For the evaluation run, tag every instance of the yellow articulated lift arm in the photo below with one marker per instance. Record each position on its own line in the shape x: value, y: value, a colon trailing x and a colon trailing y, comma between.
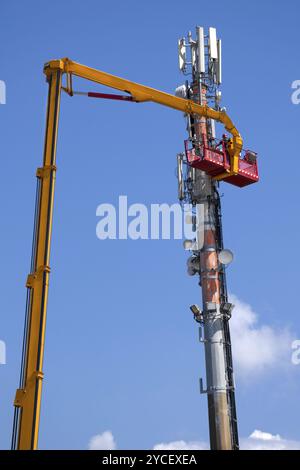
x: 28, y: 396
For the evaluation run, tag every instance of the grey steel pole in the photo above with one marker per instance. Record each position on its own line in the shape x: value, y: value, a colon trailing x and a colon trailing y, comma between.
x: 205, y: 192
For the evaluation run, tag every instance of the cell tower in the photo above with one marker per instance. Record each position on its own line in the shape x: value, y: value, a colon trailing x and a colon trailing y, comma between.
x: 201, y: 59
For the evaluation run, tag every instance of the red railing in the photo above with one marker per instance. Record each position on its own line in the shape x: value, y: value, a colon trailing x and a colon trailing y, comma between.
x: 214, y: 160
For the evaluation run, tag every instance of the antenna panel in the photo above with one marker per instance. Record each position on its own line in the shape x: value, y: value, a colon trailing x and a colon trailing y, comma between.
x: 213, y: 47
x: 201, y: 49
x: 182, y: 54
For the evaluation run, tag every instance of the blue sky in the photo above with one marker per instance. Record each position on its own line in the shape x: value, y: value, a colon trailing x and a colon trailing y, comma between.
x: 121, y: 347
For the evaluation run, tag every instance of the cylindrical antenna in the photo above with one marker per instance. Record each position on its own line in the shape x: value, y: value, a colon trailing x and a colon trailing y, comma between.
x: 180, y: 177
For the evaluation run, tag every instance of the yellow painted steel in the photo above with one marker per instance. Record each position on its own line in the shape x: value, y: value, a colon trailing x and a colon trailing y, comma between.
x: 143, y: 93
x: 28, y: 396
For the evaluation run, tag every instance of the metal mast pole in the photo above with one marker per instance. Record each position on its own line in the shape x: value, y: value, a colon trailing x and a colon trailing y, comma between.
x: 28, y: 396
x: 203, y: 190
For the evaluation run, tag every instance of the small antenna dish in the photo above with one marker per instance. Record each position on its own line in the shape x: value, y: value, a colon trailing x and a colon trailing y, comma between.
x: 188, y: 245
x: 193, y: 265
x: 225, y: 257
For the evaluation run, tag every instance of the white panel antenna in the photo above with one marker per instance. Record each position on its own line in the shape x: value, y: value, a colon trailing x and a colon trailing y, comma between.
x: 201, y: 49
x: 213, y: 47
x: 213, y: 128
x: 180, y: 177
x: 194, y: 55
x: 219, y: 69
x: 182, y: 54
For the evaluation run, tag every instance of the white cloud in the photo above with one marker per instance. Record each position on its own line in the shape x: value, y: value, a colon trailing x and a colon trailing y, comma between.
x: 258, y: 440
x: 104, y: 441
x: 181, y: 445
x: 264, y: 436
x: 256, y: 347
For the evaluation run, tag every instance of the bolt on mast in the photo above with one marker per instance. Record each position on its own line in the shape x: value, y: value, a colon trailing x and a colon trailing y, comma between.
x: 201, y: 58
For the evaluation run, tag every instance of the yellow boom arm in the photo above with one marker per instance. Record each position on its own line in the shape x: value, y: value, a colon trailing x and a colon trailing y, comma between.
x: 142, y: 93
x: 28, y: 396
